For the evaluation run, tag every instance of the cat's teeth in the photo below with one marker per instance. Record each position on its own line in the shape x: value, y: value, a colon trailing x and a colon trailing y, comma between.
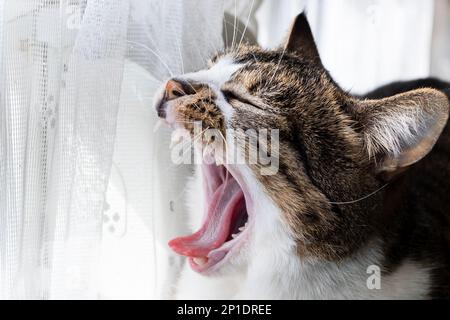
x: 241, y: 228
x: 176, y: 138
x: 219, y: 161
x: 158, y: 125
x: 208, y: 156
x: 201, y: 261
x: 234, y: 235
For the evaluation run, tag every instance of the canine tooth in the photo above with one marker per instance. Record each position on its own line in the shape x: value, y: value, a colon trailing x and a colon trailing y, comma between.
x: 176, y: 137
x: 206, y: 151
x: 234, y: 235
x: 219, y: 160
x: 158, y: 125
x: 201, y: 261
x: 207, y: 156
x: 241, y: 229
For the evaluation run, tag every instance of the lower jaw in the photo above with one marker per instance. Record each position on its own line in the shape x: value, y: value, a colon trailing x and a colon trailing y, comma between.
x: 220, y: 257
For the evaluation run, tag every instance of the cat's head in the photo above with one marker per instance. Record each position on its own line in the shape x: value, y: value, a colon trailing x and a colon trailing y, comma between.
x: 329, y: 152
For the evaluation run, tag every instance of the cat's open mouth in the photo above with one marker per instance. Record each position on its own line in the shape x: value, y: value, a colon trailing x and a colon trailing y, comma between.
x: 225, y: 224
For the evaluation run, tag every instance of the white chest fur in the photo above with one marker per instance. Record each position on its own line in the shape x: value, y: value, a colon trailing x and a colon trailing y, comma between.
x: 271, y: 268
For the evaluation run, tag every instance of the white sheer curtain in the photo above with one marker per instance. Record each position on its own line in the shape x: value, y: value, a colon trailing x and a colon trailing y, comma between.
x: 440, y: 45
x: 145, y: 204
x: 366, y: 43
x: 88, y: 195
x: 61, y: 69
x: 71, y: 72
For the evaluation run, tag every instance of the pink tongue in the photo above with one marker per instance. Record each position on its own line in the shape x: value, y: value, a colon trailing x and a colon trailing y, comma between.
x: 216, y: 228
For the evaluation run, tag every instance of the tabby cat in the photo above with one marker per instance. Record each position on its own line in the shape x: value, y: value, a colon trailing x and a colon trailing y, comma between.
x: 358, y: 207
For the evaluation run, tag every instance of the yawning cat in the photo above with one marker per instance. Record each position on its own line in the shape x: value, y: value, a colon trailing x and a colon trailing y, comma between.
x: 357, y: 206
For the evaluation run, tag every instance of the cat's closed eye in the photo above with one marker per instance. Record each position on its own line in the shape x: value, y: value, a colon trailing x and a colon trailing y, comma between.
x: 229, y: 95
x: 233, y: 96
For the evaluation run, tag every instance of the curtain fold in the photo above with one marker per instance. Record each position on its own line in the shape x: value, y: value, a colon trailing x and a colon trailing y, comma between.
x: 440, y: 45
x: 61, y: 69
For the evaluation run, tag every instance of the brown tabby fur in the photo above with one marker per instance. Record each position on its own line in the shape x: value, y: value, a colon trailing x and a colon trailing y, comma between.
x: 326, y: 171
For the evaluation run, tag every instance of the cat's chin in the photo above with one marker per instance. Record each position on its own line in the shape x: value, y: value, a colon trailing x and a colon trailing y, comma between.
x: 227, y: 222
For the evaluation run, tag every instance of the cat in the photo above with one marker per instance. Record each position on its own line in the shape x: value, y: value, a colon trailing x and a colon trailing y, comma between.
x: 358, y: 207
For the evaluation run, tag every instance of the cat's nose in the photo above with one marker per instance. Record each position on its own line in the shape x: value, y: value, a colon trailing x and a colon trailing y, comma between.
x: 176, y: 88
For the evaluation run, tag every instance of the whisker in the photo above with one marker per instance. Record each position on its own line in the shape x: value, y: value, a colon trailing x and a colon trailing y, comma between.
x: 146, y: 75
x: 181, y: 55
x: 226, y: 31
x: 181, y: 121
x: 154, y: 53
x: 234, y: 25
x: 198, y: 107
x: 189, y: 143
x: 192, y: 87
x: 238, y: 33
x: 200, y: 54
x: 208, y: 24
x: 246, y: 24
x: 194, y: 139
x: 254, y: 57
x: 225, y: 143
x: 361, y: 199
x: 277, y: 67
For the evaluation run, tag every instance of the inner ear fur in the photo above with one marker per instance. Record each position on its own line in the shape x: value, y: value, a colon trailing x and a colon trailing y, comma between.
x: 400, y: 130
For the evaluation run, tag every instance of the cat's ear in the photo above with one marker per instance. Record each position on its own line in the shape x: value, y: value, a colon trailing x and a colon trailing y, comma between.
x: 301, y: 40
x: 400, y: 130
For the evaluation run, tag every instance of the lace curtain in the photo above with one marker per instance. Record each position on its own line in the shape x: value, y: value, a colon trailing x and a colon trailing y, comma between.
x: 88, y: 195
x: 61, y: 70
x: 77, y: 196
